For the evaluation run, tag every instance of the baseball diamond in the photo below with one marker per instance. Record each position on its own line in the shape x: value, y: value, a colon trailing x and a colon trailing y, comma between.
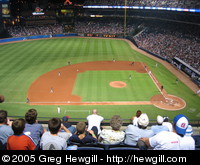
x: 90, y: 84
x: 39, y: 94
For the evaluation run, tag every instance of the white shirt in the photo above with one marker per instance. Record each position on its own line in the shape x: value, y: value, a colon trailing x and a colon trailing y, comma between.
x: 187, y: 143
x: 112, y: 137
x: 94, y: 120
x: 165, y: 141
x: 169, y: 126
x: 135, y: 121
x: 58, y: 109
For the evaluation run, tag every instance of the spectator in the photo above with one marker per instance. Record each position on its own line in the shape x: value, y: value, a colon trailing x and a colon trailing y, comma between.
x: 20, y: 141
x: 187, y: 142
x: 149, y: 3
x: 5, y: 127
x: 159, y: 127
x: 32, y: 128
x: 170, y: 41
x: 54, y: 140
x: 113, y: 136
x: 94, y: 120
x: 167, y: 123
x: 23, y: 31
x: 134, y: 119
x: 82, y: 136
x: 134, y: 133
x: 71, y: 128
x: 169, y: 140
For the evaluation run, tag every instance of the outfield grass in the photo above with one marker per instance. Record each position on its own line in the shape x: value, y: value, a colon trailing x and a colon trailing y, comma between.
x: 22, y: 63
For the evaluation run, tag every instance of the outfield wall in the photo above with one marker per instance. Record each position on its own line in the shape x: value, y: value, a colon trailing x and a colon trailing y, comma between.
x: 37, y: 37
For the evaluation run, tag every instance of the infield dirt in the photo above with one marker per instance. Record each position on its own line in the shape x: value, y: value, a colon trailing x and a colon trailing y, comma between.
x: 55, y: 87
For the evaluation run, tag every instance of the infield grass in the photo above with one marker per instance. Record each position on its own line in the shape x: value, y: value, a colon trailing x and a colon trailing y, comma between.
x: 22, y: 63
x: 94, y: 86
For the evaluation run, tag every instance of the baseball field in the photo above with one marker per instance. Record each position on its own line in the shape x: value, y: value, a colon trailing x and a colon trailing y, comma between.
x: 79, y: 74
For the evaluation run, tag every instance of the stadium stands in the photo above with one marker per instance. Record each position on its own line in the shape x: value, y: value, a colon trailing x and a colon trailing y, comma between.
x: 149, y: 3
x: 167, y: 39
x: 172, y: 41
x: 22, y: 31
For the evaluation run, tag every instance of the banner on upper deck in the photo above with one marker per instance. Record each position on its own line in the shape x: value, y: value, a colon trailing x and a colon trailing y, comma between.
x: 4, y: 9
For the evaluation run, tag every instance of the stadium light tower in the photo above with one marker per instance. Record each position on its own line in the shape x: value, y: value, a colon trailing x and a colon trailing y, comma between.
x: 125, y: 8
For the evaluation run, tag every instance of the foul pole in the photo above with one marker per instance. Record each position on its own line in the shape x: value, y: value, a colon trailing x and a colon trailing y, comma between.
x: 125, y: 8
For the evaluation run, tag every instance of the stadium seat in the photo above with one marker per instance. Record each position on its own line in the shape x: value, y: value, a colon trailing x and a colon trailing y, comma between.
x: 197, y: 140
x: 81, y: 145
x: 108, y: 146
x: 124, y: 148
x: 90, y: 148
x: 2, y: 146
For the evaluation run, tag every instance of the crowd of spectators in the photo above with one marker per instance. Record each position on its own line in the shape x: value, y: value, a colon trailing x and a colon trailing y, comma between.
x: 99, y: 27
x: 170, y: 43
x: 149, y: 3
x: 104, y: 26
x: 30, y: 135
x: 165, y: 39
x: 22, y: 31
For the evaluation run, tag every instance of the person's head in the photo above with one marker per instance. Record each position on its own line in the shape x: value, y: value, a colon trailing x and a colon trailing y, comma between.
x: 81, y: 127
x: 94, y: 111
x: 189, y: 131
x: 65, y: 119
x: 165, y: 119
x: 3, y: 117
x: 31, y: 116
x: 116, y: 122
x: 54, y: 125
x: 143, y: 121
x: 138, y: 113
x: 18, y: 126
x: 159, y: 120
x: 180, y: 124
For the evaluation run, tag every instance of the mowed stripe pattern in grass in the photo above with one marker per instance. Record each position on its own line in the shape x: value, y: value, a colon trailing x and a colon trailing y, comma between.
x: 22, y: 63
x: 94, y: 86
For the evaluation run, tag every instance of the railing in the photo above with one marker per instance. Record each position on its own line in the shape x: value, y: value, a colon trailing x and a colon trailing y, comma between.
x: 106, y: 122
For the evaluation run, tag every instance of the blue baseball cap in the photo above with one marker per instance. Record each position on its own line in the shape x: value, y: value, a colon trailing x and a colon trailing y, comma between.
x: 181, y: 124
x: 189, y: 131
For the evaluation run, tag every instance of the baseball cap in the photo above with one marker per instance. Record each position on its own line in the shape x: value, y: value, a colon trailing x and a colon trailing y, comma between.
x: 143, y: 120
x: 189, y: 131
x: 160, y: 119
x: 181, y: 124
x: 65, y: 118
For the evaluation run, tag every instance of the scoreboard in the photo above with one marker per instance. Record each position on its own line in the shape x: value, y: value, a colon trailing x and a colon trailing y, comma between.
x: 4, y: 8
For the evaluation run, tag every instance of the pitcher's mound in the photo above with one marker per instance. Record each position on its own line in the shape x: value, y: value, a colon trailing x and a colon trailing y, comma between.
x: 117, y: 84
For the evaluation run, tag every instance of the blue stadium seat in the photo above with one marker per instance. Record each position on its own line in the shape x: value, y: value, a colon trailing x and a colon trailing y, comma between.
x: 197, y: 140
x: 108, y: 146
x: 89, y: 148
x: 124, y: 148
x: 2, y: 146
